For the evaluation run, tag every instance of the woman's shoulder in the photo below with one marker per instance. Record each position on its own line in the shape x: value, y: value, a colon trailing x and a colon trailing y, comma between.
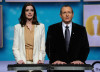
x: 41, y: 24
x: 18, y: 25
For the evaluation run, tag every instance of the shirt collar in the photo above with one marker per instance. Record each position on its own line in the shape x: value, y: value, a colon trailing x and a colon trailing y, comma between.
x: 69, y: 25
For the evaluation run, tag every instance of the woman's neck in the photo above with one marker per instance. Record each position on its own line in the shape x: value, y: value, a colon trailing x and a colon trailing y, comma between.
x: 28, y: 21
x: 29, y: 24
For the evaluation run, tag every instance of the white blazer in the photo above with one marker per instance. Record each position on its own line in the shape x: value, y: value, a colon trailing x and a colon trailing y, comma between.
x: 39, y: 43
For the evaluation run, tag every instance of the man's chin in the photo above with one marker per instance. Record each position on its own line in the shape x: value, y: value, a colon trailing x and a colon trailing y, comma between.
x: 67, y: 22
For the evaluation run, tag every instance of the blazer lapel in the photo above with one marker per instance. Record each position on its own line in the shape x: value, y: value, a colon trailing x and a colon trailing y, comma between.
x: 23, y: 40
x: 35, y: 38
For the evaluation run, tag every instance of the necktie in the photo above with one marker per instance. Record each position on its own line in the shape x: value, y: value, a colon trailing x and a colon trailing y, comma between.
x: 67, y: 37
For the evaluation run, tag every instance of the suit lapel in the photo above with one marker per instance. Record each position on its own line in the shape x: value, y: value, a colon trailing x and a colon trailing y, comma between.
x: 70, y: 49
x: 73, y: 31
x: 60, y: 30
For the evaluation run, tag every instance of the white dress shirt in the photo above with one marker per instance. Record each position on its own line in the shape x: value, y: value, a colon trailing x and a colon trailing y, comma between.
x: 64, y: 28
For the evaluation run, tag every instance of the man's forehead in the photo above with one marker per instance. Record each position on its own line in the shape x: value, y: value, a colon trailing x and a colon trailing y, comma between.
x: 66, y: 8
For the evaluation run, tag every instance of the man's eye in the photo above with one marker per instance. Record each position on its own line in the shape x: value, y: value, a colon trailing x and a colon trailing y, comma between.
x: 69, y: 12
x: 64, y: 12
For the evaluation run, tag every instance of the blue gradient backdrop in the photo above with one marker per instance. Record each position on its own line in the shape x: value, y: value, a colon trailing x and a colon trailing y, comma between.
x: 48, y: 14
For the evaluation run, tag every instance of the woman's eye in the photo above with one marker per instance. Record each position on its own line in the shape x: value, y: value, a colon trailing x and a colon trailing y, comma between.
x: 32, y: 10
x: 26, y: 10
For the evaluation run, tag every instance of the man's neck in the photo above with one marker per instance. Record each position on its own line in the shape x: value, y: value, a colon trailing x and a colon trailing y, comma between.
x: 67, y: 23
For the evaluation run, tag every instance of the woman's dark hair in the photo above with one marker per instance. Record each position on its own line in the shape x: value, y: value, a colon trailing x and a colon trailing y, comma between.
x: 23, y: 18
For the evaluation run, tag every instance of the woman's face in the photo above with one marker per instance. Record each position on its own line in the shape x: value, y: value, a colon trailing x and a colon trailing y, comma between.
x: 29, y: 12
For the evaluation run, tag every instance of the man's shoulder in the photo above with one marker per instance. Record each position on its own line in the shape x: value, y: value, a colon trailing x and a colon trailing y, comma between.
x: 55, y: 25
x: 78, y: 26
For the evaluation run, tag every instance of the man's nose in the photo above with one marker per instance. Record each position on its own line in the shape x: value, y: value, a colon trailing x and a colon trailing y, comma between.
x: 67, y: 14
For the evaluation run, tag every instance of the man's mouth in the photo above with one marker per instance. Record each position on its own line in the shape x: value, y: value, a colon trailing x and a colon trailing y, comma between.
x: 67, y: 18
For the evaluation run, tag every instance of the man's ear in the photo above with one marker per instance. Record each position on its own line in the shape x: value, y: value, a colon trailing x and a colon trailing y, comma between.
x: 73, y: 14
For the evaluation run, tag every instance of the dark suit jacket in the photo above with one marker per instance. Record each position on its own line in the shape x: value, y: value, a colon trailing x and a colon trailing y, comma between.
x: 55, y: 44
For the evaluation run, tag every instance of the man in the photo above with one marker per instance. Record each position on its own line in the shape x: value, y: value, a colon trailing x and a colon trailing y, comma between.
x: 67, y: 45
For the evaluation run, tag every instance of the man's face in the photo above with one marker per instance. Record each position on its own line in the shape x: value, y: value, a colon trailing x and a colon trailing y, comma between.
x: 66, y: 15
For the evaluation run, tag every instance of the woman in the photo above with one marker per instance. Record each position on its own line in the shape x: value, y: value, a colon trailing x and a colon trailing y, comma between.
x: 29, y: 38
